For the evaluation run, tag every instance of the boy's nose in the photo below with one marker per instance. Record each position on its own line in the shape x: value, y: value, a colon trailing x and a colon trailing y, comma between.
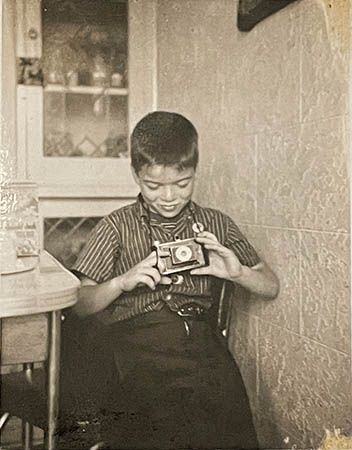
x: 168, y: 194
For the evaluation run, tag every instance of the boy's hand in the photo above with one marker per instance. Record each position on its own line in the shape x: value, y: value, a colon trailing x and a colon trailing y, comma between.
x: 143, y: 273
x: 223, y: 263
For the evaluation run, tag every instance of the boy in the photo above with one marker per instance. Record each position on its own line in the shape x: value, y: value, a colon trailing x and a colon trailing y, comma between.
x: 166, y: 380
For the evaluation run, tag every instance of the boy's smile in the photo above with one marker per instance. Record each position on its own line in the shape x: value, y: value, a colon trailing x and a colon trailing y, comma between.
x: 166, y: 190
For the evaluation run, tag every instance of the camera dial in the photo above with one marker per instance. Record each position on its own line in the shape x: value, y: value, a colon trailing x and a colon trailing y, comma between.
x: 198, y: 227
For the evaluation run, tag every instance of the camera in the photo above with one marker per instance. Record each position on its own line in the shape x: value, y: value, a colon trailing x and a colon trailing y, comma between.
x: 180, y: 255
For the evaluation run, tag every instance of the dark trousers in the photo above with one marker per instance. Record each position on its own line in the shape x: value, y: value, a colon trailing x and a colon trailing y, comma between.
x: 146, y: 383
x: 175, y: 389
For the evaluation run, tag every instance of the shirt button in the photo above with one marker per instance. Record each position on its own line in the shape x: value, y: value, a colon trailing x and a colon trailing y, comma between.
x: 168, y: 297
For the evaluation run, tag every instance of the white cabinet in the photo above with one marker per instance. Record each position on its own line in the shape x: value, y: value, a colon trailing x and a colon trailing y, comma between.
x: 80, y: 96
x: 70, y: 112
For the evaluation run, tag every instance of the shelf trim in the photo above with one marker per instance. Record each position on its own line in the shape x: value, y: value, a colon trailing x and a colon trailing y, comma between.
x: 88, y: 90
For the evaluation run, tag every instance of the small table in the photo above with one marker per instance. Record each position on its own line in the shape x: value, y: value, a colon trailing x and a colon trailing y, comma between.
x: 30, y: 310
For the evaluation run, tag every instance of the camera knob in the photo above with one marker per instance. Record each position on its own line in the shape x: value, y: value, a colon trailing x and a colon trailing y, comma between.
x: 198, y: 227
x: 177, y: 279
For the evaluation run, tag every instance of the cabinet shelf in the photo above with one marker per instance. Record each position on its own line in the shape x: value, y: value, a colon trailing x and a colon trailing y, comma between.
x: 88, y: 90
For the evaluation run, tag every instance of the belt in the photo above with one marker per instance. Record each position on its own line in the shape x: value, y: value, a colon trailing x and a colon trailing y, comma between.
x: 188, y: 312
x: 191, y: 310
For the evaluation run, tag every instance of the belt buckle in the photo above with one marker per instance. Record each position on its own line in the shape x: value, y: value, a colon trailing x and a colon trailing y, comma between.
x: 190, y: 310
x: 180, y: 312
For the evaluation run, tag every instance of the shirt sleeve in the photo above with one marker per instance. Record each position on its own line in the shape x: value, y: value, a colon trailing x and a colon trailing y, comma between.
x: 96, y: 260
x: 238, y: 243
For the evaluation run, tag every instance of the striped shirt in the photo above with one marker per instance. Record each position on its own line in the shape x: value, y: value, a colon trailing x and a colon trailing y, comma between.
x: 124, y: 238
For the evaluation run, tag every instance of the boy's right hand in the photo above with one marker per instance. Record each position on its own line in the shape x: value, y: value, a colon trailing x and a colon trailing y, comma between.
x: 143, y: 273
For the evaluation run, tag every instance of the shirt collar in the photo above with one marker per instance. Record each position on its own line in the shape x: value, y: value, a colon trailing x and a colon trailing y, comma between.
x: 142, y: 210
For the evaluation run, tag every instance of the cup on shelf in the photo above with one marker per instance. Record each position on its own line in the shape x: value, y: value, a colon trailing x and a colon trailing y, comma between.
x: 99, y: 79
x: 72, y: 78
x: 116, y: 80
x: 99, y: 72
x: 54, y: 77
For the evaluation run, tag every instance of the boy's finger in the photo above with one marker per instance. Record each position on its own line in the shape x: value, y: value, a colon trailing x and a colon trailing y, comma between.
x: 150, y: 260
x: 206, y: 240
x: 148, y: 281
x: 203, y: 240
x: 151, y: 256
x: 207, y: 234
x: 165, y: 280
x: 153, y: 273
x: 216, y: 248
x: 161, y: 266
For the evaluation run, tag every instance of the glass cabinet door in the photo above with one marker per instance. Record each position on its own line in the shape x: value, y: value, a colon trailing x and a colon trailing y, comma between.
x: 85, y: 78
x: 87, y: 72
x: 74, y: 97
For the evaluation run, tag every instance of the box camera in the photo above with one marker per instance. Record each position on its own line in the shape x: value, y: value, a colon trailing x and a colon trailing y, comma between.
x: 181, y: 255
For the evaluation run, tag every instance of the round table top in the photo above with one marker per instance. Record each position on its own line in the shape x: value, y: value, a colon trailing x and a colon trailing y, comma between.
x: 46, y: 287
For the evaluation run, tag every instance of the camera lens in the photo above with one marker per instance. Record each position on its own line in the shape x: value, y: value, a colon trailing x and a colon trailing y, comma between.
x: 183, y: 253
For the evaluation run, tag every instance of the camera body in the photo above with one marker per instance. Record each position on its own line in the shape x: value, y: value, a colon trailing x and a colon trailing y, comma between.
x: 181, y: 255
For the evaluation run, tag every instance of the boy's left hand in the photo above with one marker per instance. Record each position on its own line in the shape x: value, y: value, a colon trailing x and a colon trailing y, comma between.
x: 223, y: 263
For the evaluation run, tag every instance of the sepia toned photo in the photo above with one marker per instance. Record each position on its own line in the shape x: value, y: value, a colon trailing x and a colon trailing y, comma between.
x: 175, y: 225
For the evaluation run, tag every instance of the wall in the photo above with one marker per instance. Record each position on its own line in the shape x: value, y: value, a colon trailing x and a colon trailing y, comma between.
x: 272, y: 110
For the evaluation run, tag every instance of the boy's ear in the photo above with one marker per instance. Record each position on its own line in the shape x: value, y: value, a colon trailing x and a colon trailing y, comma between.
x: 135, y: 176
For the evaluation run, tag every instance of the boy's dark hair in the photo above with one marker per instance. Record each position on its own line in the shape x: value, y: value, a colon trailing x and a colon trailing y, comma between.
x: 166, y: 139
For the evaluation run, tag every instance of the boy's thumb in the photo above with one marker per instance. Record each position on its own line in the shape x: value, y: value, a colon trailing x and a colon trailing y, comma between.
x: 165, y: 280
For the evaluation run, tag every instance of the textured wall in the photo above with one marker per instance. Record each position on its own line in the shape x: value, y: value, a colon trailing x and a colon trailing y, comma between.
x: 271, y: 107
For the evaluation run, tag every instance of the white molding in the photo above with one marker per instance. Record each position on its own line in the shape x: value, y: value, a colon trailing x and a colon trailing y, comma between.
x: 28, y: 17
x: 8, y: 81
x: 1, y: 63
x: 87, y: 191
x: 22, y: 164
x: 348, y: 143
x: 88, y: 207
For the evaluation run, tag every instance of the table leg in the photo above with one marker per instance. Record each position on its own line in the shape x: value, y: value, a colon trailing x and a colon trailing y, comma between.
x: 27, y: 428
x: 53, y: 377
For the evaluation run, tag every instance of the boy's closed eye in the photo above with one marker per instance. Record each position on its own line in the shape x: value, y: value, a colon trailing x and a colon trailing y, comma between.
x: 154, y: 186
x: 183, y: 184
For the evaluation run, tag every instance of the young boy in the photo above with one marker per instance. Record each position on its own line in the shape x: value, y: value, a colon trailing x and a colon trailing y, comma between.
x: 166, y: 380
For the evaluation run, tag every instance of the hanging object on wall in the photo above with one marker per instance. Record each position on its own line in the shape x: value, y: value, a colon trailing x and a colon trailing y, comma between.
x: 250, y: 12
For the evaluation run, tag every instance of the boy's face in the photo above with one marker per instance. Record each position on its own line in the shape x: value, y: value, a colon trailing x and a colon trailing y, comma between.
x: 166, y: 190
